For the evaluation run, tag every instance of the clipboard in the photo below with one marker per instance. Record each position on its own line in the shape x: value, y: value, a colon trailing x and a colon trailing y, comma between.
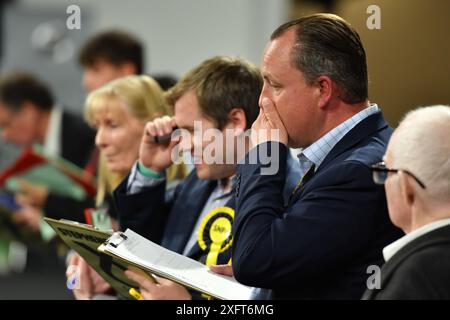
x: 135, y: 250
x: 85, y: 240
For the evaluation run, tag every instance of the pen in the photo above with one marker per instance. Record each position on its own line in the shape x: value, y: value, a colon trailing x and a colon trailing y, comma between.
x: 135, y: 294
x: 162, y: 139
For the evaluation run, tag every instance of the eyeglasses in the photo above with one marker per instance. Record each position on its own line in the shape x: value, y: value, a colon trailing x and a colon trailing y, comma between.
x: 380, y: 174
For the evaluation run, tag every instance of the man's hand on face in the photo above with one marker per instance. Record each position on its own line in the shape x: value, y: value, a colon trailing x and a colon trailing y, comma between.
x: 268, y: 126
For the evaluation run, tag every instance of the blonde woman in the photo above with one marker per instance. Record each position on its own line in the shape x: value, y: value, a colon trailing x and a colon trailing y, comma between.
x: 119, y: 112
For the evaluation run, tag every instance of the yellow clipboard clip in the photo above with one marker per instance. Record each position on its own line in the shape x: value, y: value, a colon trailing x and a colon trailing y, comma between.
x: 135, y: 294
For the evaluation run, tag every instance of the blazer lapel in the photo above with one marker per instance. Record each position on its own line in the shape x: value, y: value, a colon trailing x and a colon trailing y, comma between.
x: 189, y: 205
x: 361, y: 131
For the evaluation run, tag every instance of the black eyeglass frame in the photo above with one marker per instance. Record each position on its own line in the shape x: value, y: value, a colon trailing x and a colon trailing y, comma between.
x: 381, y: 167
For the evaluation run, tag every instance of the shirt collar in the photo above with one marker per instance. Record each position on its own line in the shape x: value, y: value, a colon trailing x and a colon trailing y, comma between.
x: 52, y: 142
x: 390, y: 250
x: 220, y: 192
x: 317, y: 151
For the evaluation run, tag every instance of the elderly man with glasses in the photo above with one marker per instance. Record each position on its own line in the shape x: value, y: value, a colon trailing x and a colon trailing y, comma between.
x: 416, y: 175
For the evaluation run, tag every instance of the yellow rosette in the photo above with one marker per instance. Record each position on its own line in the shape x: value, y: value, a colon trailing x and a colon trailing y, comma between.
x: 214, y: 234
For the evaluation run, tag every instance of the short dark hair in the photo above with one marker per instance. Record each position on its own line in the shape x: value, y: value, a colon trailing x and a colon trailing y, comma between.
x: 17, y: 88
x: 116, y: 47
x: 221, y: 84
x: 328, y: 45
x: 165, y: 81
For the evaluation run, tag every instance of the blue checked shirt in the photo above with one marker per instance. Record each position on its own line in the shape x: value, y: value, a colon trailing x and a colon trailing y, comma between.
x: 317, y: 152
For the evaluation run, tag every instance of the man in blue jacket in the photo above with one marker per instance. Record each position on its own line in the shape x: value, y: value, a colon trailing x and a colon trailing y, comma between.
x: 319, y: 245
x: 217, y: 98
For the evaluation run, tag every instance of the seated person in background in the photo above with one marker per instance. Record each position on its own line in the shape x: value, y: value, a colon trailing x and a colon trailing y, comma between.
x: 105, y: 57
x: 119, y: 112
x: 416, y: 175
x: 114, y: 54
x: 315, y: 95
x: 28, y: 116
x: 108, y: 56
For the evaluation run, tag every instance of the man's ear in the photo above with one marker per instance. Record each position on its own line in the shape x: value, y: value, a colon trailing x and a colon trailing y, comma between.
x: 407, y: 190
x: 128, y: 68
x: 237, y: 120
x: 326, y: 88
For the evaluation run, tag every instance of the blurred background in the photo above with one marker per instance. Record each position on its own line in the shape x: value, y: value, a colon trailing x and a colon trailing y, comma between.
x: 408, y: 60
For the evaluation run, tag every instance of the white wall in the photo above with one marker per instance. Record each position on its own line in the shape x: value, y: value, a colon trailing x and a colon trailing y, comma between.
x: 181, y: 33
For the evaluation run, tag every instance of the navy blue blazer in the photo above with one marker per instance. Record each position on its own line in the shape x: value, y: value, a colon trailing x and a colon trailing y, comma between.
x: 320, y: 245
x: 171, y: 222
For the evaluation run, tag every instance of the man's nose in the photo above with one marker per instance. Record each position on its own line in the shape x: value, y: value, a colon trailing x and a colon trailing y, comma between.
x: 264, y: 94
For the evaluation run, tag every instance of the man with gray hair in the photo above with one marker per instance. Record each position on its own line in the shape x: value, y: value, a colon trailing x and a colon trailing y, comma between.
x: 416, y: 174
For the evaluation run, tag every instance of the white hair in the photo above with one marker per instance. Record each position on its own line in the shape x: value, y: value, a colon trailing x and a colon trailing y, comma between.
x: 422, y: 146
